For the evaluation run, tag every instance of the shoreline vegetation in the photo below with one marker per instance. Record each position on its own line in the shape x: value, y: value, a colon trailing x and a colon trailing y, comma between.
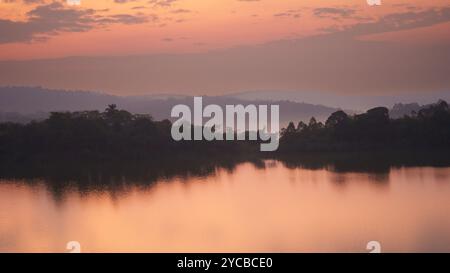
x: 96, y: 146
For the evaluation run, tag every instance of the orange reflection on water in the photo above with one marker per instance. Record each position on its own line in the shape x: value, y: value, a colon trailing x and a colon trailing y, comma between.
x: 271, y: 209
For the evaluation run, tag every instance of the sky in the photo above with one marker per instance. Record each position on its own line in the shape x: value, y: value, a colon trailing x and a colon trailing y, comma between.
x: 223, y: 46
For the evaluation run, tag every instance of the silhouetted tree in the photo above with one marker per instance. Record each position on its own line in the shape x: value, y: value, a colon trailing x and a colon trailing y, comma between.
x: 301, y: 126
x: 336, y: 119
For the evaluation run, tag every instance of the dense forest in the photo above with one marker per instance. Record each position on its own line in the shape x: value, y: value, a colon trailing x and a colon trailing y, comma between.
x: 110, y: 135
x: 119, y: 135
x: 427, y: 129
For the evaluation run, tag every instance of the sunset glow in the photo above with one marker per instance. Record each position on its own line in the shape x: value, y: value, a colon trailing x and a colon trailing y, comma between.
x: 106, y: 27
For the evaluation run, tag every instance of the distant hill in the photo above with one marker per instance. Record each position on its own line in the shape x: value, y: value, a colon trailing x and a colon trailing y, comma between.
x: 22, y: 118
x: 408, y: 109
x: 360, y: 103
x: 28, y: 103
x: 400, y: 110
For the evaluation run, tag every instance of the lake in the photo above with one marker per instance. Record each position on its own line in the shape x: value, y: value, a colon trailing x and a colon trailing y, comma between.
x: 266, y: 207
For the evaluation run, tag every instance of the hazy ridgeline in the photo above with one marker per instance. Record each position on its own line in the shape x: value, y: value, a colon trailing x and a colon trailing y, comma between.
x: 24, y: 104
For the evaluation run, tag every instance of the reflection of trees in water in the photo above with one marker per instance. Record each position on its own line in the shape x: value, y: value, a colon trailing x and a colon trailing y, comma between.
x: 115, y: 150
x: 118, y: 177
x: 376, y: 164
x: 369, y: 162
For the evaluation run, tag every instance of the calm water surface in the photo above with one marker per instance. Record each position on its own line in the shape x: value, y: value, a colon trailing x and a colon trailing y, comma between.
x: 269, y: 208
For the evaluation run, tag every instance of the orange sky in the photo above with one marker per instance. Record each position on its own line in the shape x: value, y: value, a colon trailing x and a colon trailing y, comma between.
x: 197, y: 25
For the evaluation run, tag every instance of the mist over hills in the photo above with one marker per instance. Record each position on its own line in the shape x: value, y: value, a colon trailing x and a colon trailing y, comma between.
x: 358, y: 103
x: 23, y: 104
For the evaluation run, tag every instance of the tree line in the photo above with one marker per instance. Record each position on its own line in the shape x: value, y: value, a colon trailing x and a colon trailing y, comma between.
x: 116, y: 134
x: 374, y: 130
x: 108, y: 135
